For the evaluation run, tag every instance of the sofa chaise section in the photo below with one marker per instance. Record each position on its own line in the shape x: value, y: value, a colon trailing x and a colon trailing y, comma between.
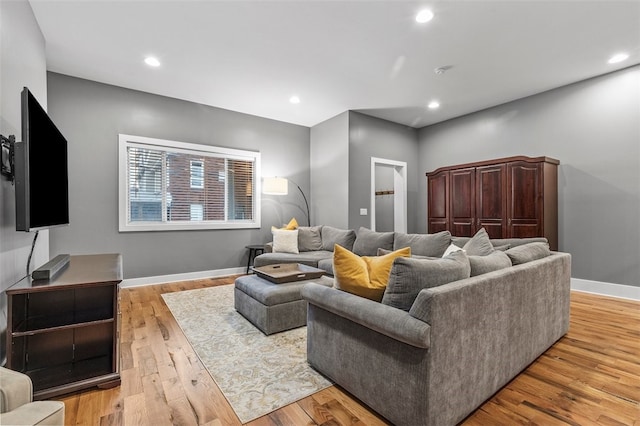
x: 310, y: 258
x: 459, y: 343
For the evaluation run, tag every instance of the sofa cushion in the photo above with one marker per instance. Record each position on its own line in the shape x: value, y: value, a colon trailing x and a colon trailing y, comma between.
x: 332, y: 236
x: 528, y: 252
x: 514, y: 242
x: 309, y: 238
x: 382, y: 252
x: 479, y: 244
x: 492, y: 262
x: 433, y: 245
x: 409, y: 276
x: 326, y: 265
x: 364, y: 276
x: 501, y: 243
x: 368, y: 242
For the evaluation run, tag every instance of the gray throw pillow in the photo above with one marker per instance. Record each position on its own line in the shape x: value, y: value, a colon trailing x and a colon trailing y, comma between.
x: 460, y: 241
x: 433, y: 245
x: 309, y: 238
x: 528, y: 252
x: 491, y: 262
x: 332, y: 236
x: 410, y: 275
x: 479, y: 244
x: 368, y: 242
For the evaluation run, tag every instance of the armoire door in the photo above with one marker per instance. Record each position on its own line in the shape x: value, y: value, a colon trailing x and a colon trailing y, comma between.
x: 438, y: 202
x: 524, y: 199
x: 491, y: 207
x: 463, y: 202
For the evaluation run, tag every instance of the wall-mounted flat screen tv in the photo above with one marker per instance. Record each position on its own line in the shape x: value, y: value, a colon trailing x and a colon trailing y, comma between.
x: 41, y: 170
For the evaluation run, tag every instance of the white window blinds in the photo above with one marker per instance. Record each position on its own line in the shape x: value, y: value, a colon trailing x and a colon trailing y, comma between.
x: 174, y: 185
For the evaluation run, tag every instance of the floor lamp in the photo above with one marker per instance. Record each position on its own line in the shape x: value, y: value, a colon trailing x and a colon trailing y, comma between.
x: 280, y: 186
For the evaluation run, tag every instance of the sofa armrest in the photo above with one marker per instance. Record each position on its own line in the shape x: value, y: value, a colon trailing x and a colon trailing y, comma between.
x: 391, y: 322
x: 15, y: 389
x: 35, y: 413
x: 268, y: 247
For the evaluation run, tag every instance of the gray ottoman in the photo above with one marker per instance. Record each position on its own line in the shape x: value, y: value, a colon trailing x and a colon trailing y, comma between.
x: 273, y: 307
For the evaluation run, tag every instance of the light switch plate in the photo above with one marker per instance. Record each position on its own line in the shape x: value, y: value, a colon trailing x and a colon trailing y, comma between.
x: 363, y: 212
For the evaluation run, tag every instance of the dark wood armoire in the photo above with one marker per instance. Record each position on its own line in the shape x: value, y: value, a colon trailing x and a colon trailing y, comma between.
x: 514, y: 197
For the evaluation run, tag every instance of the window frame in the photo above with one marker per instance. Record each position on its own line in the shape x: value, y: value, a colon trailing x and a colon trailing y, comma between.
x: 125, y: 141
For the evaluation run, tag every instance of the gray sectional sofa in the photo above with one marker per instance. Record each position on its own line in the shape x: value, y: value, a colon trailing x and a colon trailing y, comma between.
x: 449, y: 332
x: 315, y: 245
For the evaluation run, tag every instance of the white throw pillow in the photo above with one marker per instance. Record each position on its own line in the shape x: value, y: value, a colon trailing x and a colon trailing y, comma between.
x: 285, y: 241
x: 451, y: 249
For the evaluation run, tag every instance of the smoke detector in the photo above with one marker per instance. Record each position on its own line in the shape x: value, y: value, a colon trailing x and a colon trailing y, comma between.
x: 442, y: 70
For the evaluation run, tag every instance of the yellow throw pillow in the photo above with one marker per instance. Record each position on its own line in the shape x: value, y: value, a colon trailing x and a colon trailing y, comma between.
x: 364, y: 276
x: 293, y: 224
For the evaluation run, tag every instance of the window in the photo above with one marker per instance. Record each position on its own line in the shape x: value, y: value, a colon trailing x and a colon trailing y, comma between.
x: 168, y: 185
x: 197, y: 212
x: 197, y: 174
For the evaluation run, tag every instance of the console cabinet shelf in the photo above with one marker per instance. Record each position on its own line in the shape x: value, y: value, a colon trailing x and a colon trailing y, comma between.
x: 63, y: 333
x: 514, y: 197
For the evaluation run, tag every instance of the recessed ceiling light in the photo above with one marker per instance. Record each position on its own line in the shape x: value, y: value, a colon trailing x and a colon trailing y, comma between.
x: 433, y: 105
x: 151, y: 61
x: 618, y: 58
x: 294, y: 99
x: 424, y: 16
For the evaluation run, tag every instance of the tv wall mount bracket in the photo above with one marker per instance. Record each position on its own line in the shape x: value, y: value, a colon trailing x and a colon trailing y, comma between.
x: 7, y: 156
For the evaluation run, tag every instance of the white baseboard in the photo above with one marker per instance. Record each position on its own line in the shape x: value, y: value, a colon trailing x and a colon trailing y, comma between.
x: 161, y: 279
x: 606, y: 289
x: 587, y: 286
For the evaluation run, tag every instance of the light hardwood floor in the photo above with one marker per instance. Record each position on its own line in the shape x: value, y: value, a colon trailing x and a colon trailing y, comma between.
x: 589, y: 377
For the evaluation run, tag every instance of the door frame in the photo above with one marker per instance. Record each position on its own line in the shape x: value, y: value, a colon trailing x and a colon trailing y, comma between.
x: 399, y: 193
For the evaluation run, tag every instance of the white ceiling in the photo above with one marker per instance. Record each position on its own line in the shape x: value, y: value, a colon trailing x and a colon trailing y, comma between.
x: 369, y: 56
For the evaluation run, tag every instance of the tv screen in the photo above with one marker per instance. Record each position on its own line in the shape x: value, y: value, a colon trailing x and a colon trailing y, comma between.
x: 41, y: 179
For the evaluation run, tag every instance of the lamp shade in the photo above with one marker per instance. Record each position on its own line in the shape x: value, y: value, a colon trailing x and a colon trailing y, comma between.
x: 275, y: 186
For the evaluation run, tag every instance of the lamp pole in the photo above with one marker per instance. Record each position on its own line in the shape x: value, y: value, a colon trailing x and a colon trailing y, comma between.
x: 305, y: 202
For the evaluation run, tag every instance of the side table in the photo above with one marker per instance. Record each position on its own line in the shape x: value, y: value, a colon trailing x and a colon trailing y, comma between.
x: 254, y: 250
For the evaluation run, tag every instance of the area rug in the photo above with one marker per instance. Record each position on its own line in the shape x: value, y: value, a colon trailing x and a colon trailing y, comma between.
x: 256, y: 373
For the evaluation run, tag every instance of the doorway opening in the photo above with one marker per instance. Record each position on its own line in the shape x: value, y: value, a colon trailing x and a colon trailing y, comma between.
x: 388, y: 195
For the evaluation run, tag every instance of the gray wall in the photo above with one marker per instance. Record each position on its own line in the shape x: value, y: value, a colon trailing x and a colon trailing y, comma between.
x: 22, y: 58
x: 330, y: 172
x: 91, y: 115
x: 593, y: 128
x: 374, y: 137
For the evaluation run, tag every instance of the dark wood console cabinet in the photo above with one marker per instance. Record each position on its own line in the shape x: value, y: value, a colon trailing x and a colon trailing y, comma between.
x: 514, y: 197
x: 63, y: 332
